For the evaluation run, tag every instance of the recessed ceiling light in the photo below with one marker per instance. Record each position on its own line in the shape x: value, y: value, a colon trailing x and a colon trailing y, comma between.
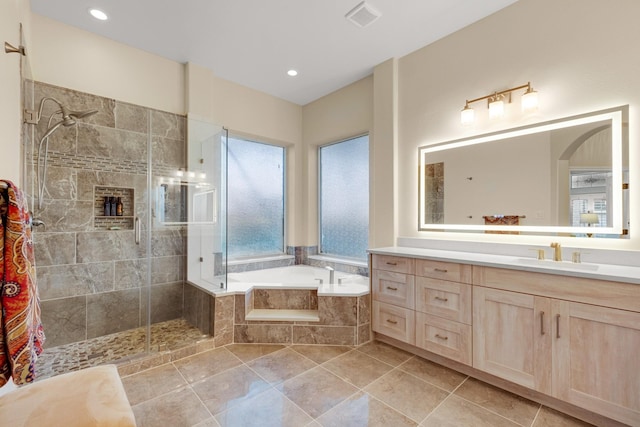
x: 98, y: 14
x: 292, y: 73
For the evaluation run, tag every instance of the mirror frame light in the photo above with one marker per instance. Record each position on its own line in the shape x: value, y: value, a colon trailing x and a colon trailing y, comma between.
x: 613, y: 114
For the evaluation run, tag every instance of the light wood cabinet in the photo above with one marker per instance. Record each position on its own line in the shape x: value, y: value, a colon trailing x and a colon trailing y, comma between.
x: 393, y: 321
x: 596, y: 356
x: 571, y: 338
x: 449, y: 300
x: 583, y: 354
x: 511, y: 336
x: 394, y: 288
x: 444, y: 337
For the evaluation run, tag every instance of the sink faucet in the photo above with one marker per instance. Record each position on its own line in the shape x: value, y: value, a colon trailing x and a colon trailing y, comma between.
x: 331, y: 274
x: 557, y: 253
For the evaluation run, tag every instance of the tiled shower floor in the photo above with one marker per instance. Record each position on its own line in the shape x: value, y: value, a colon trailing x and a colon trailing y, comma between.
x: 170, y: 335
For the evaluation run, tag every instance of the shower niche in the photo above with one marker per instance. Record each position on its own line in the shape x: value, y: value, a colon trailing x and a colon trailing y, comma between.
x: 113, y: 221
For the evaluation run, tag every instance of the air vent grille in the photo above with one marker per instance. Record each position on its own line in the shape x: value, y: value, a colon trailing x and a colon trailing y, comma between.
x: 363, y: 14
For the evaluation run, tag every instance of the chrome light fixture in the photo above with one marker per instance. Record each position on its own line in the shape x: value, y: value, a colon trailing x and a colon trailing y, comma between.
x: 496, y: 100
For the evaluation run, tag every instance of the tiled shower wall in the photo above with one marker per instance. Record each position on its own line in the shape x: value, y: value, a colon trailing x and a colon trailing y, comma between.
x: 92, y: 280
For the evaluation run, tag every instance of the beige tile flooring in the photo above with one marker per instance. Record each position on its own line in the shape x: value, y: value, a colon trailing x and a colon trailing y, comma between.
x: 275, y: 385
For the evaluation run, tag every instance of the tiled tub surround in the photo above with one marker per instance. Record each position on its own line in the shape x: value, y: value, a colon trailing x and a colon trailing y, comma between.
x: 92, y: 281
x: 341, y: 311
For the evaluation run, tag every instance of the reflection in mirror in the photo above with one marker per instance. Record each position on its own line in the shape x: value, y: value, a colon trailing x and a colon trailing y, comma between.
x: 550, y: 178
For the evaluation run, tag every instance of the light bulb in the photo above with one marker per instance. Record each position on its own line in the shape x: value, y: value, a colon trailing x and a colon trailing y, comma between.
x: 496, y: 109
x: 467, y: 115
x: 529, y: 100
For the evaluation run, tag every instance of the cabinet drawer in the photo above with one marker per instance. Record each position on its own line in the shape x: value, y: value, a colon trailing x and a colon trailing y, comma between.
x: 444, y: 337
x: 443, y: 270
x: 393, y: 288
x: 394, y: 322
x: 449, y: 300
x: 393, y: 263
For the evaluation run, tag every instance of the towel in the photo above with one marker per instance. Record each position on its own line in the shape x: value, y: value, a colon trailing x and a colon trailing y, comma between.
x: 21, y: 333
x: 502, y: 220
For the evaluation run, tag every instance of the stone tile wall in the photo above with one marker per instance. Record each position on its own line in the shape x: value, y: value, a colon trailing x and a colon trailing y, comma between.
x: 91, y: 280
x: 343, y: 320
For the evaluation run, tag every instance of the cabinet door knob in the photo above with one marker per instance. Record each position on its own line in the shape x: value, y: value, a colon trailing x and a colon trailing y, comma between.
x: 440, y: 337
x: 542, y: 323
x: 557, y: 326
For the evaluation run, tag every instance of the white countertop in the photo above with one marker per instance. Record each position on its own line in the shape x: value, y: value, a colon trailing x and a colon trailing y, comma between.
x: 616, y: 273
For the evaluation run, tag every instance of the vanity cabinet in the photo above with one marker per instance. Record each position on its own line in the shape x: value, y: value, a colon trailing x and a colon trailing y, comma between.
x: 393, y: 287
x: 512, y: 339
x: 571, y: 339
x: 586, y: 354
x: 424, y: 303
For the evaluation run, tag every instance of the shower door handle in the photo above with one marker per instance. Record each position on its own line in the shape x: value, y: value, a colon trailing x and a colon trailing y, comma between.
x: 136, y: 229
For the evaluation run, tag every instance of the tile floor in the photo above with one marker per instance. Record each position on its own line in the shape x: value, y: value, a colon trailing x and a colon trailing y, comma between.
x: 169, y: 335
x: 274, y: 385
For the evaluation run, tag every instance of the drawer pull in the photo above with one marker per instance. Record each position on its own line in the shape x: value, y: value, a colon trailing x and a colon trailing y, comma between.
x: 392, y: 288
x: 393, y: 322
x: 391, y: 263
x: 441, y: 270
x: 440, y: 337
x: 557, y: 326
x: 441, y: 299
x: 542, y: 323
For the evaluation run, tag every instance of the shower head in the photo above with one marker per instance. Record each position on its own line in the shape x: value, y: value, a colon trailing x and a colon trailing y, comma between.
x: 69, y: 118
x: 82, y: 114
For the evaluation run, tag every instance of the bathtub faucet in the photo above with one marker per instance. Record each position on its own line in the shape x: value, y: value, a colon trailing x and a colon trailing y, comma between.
x: 331, y: 274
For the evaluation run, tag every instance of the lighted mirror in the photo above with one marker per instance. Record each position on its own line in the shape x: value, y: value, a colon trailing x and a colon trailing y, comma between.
x: 551, y: 178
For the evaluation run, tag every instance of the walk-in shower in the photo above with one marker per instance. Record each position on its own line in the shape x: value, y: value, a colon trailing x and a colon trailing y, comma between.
x: 67, y: 118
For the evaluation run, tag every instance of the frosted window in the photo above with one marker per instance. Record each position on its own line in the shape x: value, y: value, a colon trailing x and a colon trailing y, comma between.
x: 255, y: 199
x: 344, y: 198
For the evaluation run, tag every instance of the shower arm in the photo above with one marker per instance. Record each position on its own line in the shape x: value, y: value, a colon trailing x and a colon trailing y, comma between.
x: 33, y: 116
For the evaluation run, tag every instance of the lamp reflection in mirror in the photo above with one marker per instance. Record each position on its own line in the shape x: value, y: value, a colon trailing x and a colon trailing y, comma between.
x: 589, y: 219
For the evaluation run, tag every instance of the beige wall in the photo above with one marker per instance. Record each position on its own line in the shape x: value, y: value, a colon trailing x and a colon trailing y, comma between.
x: 69, y: 57
x: 13, y: 13
x: 578, y: 54
x: 340, y: 115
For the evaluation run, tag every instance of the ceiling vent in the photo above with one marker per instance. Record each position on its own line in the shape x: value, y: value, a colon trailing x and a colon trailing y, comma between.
x: 362, y: 15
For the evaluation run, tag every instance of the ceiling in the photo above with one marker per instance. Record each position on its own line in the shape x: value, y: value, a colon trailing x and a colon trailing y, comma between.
x: 254, y: 42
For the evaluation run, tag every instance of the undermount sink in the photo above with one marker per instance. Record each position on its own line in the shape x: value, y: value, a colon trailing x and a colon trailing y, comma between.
x: 558, y: 265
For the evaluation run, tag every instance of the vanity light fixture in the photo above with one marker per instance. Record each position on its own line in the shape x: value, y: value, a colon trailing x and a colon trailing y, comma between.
x: 495, y: 103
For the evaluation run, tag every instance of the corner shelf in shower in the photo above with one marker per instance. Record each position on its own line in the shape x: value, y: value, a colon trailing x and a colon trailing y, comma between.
x: 103, y: 222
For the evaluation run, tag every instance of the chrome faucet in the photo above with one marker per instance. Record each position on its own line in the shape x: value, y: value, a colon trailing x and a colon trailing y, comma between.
x: 331, y: 274
x: 557, y: 253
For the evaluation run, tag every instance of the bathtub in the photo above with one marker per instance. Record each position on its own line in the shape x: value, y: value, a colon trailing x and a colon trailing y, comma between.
x: 298, y: 277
